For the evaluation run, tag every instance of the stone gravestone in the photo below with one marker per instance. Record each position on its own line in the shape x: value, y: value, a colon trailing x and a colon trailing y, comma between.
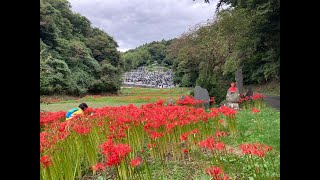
x: 202, y: 94
x: 250, y: 92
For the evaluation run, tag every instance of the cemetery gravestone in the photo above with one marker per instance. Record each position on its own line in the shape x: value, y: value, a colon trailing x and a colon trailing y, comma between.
x: 202, y: 94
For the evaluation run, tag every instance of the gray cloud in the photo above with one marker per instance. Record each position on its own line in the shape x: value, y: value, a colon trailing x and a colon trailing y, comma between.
x: 135, y: 22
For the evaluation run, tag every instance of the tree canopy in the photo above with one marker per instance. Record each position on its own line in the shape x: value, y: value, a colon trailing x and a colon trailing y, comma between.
x: 245, y: 34
x: 75, y: 58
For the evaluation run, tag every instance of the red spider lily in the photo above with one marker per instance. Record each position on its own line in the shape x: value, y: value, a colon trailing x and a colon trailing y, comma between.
x: 245, y: 99
x: 155, y: 135
x: 135, y: 162
x: 188, y: 100
x: 160, y: 102
x: 47, y: 118
x: 184, y: 137
x: 221, y: 121
x: 212, y: 100
x: 214, y: 171
x: 257, y: 96
x: 81, y: 129
x: 219, y: 145
x: 98, y: 166
x: 151, y: 145
x: 114, y: 153
x: 254, y: 110
x: 208, y: 143
x: 227, y: 111
x: 255, y: 149
x: 220, y: 133
x: 45, y: 161
x: 185, y: 151
x: 195, y: 131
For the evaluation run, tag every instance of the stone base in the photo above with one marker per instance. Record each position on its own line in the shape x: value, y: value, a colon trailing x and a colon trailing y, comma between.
x: 233, y: 105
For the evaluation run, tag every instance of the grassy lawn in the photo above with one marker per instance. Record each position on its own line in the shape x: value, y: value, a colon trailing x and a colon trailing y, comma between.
x: 135, y: 96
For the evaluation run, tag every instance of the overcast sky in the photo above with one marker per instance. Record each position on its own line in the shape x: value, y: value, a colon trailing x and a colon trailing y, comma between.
x: 135, y: 22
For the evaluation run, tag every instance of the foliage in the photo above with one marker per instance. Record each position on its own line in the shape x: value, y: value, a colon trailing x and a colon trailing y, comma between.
x: 147, y: 54
x: 244, y: 35
x: 75, y: 58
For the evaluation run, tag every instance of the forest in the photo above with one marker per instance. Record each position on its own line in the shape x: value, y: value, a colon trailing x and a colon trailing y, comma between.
x: 77, y: 58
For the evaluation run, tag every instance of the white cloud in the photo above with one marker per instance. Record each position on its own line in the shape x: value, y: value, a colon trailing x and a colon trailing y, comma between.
x: 135, y: 22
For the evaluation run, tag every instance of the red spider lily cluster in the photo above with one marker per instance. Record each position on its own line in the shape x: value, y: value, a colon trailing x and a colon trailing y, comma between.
x: 50, y: 117
x: 189, y: 100
x: 211, y: 144
x: 216, y: 173
x: 45, y: 161
x: 114, y: 153
x: 156, y: 121
x: 153, y: 117
x: 256, y: 96
x: 255, y: 149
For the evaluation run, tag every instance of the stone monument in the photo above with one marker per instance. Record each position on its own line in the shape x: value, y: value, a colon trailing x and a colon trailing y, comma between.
x: 233, y: 97
x: 202, y: 94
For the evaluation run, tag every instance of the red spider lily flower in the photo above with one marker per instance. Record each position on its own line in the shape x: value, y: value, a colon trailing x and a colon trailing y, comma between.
x: 254, y: 110
x: 184, y: 137
x: 255, y: 149
x: 155, y: 135
x: 135, y: 162
x: 185, y: 151
x: 220, y: 133
x: 257, y: 96
x: 225, y: 177
x: 160, y: 102
x: 195, y: 131
x: 221, y: 121
x: 212, y: 100
x: 45, y: 161
x: 80, y: 129
x: 188, y: 100
x: 151, y: 145
x: 114, y: 153
x: 219, y: 145
x: 214, y: 171
x: 98, y: 166
x: 63, y: 135
x: 227, y: 111
x: 208, y: 143
x: 63, y: 125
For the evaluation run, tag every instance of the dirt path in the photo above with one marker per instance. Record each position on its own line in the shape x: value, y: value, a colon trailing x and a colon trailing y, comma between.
x: 273, y: 101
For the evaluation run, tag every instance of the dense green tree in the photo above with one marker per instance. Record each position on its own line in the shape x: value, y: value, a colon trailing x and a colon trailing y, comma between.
x: 75, y: 58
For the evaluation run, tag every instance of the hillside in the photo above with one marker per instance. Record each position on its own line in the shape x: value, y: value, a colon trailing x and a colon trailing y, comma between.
x: 75, y: 58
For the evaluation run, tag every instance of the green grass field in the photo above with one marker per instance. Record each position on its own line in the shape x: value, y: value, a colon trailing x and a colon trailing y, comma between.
x: 136, y: 96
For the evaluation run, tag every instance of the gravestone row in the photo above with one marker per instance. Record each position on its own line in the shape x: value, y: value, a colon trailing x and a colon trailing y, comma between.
x: 142, y: 77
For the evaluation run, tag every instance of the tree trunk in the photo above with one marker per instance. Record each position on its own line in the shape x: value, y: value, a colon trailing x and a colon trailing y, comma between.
x: 239, y: 79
